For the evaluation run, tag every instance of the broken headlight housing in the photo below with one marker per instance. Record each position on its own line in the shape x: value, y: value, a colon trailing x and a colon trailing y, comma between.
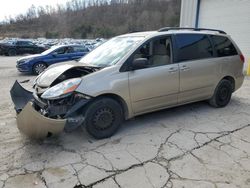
x: 62, y: 89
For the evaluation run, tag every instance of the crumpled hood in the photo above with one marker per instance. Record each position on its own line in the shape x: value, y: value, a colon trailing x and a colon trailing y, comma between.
x: 53, y: 72
x: 30, y: 56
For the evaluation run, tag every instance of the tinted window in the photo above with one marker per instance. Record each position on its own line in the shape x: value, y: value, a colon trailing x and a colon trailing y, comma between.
x: 193, y: 46
x: 223, y: 46
x: 23, y: 43
x: 30, y: 44
x: 80, y: 49
x: 69, y: 50
x: 19, y: 43
x: 64, y: 50
x: 157, y: 52
x: 60, y: 50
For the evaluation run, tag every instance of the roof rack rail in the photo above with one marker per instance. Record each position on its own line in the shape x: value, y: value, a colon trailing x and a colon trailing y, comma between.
x: 190, y: 28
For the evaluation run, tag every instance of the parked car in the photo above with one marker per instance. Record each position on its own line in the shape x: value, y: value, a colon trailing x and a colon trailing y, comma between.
x: 12, y: 48
x: 130, y: 75
x: 39, y: 62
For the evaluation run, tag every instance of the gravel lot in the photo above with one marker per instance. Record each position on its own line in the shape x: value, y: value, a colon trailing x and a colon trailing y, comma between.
x: 189, y: 146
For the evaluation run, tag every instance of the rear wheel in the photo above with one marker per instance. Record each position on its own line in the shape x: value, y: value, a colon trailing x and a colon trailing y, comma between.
x: 222, y: 94
x: 38, y: 68
x: 12, y: 52
x: 103, y: 118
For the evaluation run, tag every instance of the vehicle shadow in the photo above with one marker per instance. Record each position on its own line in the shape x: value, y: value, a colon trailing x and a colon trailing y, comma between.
x: 23, y: 74
x: 78, y: 139
x: 135, y: 125
x: 164, y: 117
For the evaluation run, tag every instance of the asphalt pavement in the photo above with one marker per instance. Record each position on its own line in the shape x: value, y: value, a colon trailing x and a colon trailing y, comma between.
x: 190, y: 146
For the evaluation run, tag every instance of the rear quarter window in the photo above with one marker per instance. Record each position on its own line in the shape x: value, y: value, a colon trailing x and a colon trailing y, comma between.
x: 193, y: 47
x: 80, y: 49
x: 223, y: 46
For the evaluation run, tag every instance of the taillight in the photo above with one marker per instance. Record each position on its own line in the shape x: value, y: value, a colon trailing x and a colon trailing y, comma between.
x: 242, y: 58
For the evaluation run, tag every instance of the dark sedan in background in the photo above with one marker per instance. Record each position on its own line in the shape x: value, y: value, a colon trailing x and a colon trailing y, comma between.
x: 12, y: 48
x: 39, y: 62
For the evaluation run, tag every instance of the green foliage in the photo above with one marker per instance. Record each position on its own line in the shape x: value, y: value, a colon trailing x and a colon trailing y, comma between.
x: 94, y: 18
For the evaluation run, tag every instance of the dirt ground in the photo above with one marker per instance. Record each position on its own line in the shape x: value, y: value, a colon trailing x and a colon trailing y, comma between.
x: 190, y: 146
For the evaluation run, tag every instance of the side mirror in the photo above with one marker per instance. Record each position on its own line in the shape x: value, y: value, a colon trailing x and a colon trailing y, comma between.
x: 139, y: 63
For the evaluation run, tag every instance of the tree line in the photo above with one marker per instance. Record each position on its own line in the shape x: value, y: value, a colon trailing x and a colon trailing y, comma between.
x: 92, y: 19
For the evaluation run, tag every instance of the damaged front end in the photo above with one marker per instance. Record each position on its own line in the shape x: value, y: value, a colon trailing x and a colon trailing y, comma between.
x: 53, y: 108
x: 34, y: 125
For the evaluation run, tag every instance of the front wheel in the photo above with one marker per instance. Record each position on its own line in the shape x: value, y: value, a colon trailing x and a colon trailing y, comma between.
x: 222, y: 94
x: 12, y: 52
x: 38, y: 68
x: 103, y: 118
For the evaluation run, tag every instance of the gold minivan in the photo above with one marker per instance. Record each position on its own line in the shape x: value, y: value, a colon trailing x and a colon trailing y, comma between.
x: 130, y: 75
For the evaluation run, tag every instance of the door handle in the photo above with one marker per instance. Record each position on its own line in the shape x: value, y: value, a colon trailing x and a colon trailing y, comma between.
x: 226, y: 59
x: 172, y: 70
x: 184, y: 68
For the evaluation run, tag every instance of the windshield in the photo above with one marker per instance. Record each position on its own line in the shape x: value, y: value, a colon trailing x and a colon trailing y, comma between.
x: 53, y: 48
x: 111, y: 51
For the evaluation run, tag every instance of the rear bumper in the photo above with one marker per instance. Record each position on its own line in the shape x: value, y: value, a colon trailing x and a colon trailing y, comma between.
x: 238, y: 82
x: 36, y: 126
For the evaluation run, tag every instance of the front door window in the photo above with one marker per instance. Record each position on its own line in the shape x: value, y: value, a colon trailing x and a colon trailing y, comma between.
x: 157, y: 52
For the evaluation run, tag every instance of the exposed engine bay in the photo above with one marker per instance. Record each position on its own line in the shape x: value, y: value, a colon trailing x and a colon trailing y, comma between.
x: 57, y: 108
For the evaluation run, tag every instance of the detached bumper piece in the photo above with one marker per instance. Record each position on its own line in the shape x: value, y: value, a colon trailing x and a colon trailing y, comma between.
x: 20, y: 96
x: 36, y: 126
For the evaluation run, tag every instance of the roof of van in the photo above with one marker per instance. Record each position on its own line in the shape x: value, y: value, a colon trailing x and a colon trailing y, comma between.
x: 174, y: 30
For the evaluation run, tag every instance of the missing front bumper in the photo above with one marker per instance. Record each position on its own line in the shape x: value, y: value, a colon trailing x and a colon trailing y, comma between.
x: 36, y: 126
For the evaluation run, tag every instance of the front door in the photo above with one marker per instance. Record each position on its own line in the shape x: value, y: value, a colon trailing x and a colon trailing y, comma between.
x: 156, y: 86
x: 59, y: 55
x: 25, y: 47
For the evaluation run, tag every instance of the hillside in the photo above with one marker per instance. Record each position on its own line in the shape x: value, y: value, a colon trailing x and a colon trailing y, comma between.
x: 97, y: 18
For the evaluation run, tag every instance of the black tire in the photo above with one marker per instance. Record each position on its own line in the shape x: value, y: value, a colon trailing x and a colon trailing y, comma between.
x: 12, y: 52
x: 222, y: 94
x: 38, y: 68
x: 103, y: 117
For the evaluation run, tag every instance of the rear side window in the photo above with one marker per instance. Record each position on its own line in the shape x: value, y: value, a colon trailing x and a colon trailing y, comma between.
x: 22, y: 43
x: 80, y: 49
x: 223, y: 46
x: 192, y: 47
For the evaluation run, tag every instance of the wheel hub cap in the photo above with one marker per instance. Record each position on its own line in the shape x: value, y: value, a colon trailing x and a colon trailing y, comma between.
x: 40, y: 68
x: 223, y: 94
x: 103, y: 118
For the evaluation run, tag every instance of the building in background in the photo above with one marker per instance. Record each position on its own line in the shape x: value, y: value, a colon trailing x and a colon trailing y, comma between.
x: 232, y: 16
